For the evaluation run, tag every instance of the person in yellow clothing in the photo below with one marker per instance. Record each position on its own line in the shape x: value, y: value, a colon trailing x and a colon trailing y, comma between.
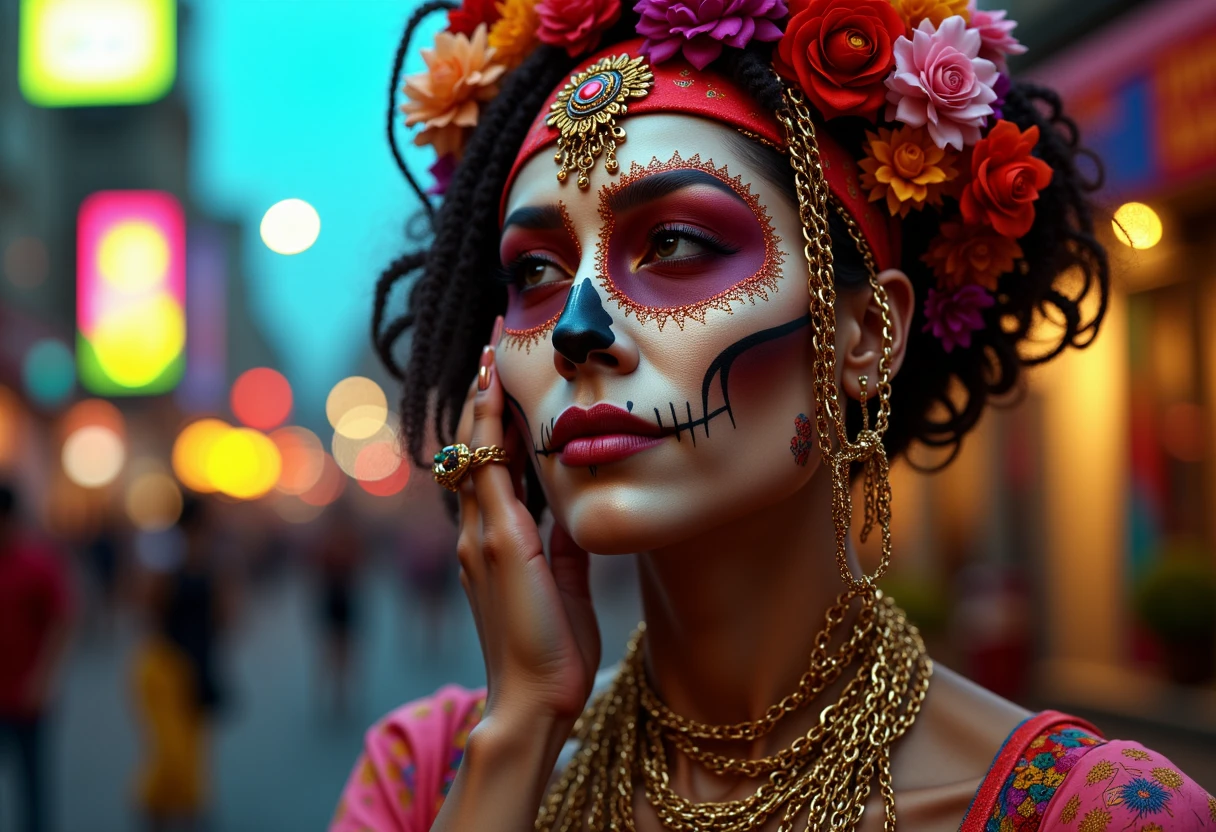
x: 172, y: 783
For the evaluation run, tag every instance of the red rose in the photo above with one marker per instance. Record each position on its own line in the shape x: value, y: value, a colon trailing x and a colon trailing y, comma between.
x: 1005, y: 180
x: 840, y: 52
x: 575, y: 25
x: 464, y: 19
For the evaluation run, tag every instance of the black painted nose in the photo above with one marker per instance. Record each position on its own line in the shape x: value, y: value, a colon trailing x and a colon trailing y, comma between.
x: 584, y: 326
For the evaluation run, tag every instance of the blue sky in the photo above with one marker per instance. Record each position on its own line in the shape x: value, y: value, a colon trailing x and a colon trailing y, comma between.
x: 288, y: 100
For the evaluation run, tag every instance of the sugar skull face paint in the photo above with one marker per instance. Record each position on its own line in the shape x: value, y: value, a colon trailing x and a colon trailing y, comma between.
x: 536, y: 241
x: 635, y: 424
x: 715, y: 248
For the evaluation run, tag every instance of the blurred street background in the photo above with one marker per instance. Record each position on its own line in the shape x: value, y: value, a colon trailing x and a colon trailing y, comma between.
x: 201, y: 491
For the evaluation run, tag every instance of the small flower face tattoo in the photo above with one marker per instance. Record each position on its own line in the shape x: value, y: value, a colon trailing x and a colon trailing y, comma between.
x: 803, y: 441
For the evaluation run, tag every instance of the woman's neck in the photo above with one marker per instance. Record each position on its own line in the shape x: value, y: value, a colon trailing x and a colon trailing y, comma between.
x: 732, y: 615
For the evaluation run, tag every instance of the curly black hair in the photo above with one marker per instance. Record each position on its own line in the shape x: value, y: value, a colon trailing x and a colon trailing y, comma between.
x: 937, y: 396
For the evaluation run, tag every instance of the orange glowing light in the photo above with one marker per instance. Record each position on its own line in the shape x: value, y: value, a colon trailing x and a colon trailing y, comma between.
x: 192, y: 450
x: 303, y: 459
x: 244, y: 464
x: 329, y: 487
x: 261, y: 398
x: 93, y: 412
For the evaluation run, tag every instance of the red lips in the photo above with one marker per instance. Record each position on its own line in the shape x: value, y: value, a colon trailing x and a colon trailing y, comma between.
x: 601, y: 435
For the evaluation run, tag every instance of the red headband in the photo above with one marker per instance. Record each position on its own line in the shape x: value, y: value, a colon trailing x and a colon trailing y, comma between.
x: 681, y: 88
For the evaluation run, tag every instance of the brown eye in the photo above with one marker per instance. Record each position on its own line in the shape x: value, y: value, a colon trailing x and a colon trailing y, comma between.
x: 666, y: 244
x: 534, y: 272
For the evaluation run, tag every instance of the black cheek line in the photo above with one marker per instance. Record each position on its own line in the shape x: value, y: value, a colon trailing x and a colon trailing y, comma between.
x: 720, y: 366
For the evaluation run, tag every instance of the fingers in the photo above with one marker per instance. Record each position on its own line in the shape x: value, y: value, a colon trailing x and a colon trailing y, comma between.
x: 495, y: 491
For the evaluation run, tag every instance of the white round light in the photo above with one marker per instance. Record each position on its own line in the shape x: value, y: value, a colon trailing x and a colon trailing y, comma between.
x: 290, y: 226
x: 93, y: 456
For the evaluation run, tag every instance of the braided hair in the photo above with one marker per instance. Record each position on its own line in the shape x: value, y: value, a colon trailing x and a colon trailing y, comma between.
x: 454, y: 296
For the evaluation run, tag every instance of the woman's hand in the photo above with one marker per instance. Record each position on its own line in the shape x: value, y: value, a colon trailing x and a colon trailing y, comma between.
x: 535, y: 618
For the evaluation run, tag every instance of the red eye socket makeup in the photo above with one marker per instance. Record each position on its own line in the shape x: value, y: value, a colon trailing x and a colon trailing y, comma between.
x: 735, y: 255
x: 538, y: 235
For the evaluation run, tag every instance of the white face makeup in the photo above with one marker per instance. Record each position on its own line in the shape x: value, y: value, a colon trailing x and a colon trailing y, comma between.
x: 657, y: 342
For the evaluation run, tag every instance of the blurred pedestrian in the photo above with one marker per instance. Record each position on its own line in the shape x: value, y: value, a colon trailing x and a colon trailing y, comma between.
x: 35, y: 616
x: 338, y: 562
x: 177, y: 687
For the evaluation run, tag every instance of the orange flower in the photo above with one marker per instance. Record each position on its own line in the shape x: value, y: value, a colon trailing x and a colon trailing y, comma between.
x: 963, y: 254
x: 460, y: 74
x: 935, y: 11
x: 907, y: 167
x: 514, y: 35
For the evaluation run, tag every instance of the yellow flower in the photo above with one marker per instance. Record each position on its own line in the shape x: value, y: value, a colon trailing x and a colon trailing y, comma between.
x: 514, y: 35
x: 905, y: 167
x: 1102, y: 771
x: 1151, y: 827
x: 1212, y: 807
x: 935, y: 11
x: 1069, y: 813
x: 460, y: 74
x: 1136, y: 754
x: 1027, y: 777
x: 1095, y: 820
x: 1168, y: 778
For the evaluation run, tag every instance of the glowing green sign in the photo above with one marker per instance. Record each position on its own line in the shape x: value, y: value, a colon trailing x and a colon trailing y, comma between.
x: 85, y: 53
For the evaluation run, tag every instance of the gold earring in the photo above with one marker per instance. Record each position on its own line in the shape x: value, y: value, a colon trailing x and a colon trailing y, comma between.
x: 835, y: 447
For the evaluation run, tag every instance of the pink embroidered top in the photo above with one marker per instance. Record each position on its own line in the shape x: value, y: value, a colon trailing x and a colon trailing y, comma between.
x: 1054, y: 772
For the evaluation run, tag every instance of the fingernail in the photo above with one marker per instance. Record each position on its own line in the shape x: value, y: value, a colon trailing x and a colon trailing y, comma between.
x: 496, y: 335
x: 485, y: 368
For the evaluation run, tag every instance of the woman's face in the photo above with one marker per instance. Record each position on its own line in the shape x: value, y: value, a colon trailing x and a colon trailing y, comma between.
x: 657, y: 349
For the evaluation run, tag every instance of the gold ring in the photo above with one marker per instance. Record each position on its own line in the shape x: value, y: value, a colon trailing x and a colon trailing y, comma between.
x: 454, y: 462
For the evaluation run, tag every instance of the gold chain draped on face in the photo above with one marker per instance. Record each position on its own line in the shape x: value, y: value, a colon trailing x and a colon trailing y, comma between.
x: 824, y: 778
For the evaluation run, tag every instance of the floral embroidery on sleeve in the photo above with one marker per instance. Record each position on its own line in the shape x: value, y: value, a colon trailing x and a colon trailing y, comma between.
x: 1033, y: 783
x: 1127, y: 787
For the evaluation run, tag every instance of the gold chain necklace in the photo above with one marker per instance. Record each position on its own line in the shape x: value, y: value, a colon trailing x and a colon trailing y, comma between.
x: 824, y: 777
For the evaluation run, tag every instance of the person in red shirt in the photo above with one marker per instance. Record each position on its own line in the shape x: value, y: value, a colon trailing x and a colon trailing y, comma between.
x: 35, y: 613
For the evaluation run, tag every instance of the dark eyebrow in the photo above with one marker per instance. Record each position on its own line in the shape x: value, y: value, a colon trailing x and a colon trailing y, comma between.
x: 541, y: 217
x: 650, y: 188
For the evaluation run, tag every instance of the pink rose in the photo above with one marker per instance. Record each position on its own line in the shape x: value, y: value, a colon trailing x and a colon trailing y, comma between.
x: 941, y: 83
x: 997, y: 35
x: 575, y: 25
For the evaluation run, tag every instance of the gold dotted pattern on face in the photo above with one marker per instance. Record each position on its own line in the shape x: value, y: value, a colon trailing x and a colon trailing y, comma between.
x: 526, y: 339
x: 746, y: 291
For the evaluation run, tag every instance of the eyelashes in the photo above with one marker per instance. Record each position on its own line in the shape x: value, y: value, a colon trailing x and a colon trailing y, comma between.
x: 663, y: 242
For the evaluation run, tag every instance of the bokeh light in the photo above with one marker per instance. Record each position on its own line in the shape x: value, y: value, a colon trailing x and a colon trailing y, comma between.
x: 261, y: 398
x: 356, y: 407
x: 133, y: 256
x: 379, y: 452
x: 99, y: 52
x: 303, y: 459
x: 26, y: 262
x: 91, y: 412
x: 296, y: 511
x: 93, y: 456
x: 329, y: 486
x: 1137, y: 225
x: 153, y: 501
x: 10, y: 422
x: 394, y: 483
x: 290, y: 226
x: 191, y: 451
x: 243, y: 463
x: 136, y: 344
x: 49, y: 373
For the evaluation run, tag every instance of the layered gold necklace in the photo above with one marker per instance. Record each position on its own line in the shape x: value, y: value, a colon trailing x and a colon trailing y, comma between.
x: 822, y: 779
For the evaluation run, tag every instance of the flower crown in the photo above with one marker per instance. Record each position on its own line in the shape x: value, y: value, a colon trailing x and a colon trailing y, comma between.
x: 930, y: 75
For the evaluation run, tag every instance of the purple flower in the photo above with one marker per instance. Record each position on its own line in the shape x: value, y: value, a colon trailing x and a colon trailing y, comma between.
x: 442, y: 172
x: 1001, y: 88
x: 941, y: 83
x: 997, y: 35
x: 953, y: 316
x: 702, y: 27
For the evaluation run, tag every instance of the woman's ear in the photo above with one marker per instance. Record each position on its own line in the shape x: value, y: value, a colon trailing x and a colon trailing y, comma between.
x: 859, y: 326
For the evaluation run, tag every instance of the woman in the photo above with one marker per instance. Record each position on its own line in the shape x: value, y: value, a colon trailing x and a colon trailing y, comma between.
x: 652, y: 189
